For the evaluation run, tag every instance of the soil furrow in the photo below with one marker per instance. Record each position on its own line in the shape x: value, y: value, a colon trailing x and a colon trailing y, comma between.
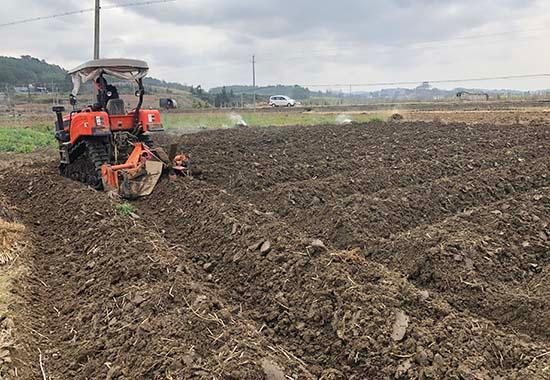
x: 260, y: 167
x: 124, y: 303
x: 312, y: 192
x: 491, y: 272
x: 274, y: 287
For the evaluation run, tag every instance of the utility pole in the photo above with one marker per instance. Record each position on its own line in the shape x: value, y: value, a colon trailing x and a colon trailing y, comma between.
x: 96, y: 29
x: 8, y: 98
x: 254, y: 79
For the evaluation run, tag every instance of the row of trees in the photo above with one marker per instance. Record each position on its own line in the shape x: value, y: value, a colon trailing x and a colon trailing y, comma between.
x: 222, y: 98
x: 19, y: 73
x: 235, y: 96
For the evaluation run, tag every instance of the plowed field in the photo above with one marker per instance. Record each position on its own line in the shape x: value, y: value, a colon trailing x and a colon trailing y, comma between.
x: 376, y: 251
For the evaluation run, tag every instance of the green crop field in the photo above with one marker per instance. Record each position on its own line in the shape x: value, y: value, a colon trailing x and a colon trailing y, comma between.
x: 25, y: 140
x: 25, y: 134
x: 213, y: 120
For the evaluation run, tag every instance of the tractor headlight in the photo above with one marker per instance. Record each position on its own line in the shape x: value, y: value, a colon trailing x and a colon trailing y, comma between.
x: 99, y: 121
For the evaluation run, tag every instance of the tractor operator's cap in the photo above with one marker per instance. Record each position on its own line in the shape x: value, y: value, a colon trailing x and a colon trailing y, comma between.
x: 121, y: 68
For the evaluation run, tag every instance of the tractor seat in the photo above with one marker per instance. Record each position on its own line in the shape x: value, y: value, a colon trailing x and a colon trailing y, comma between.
x: 115, y: 107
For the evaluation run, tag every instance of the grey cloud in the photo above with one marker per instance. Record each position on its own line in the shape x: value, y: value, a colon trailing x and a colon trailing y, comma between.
x: 382, y: 21
x: 211, y: 41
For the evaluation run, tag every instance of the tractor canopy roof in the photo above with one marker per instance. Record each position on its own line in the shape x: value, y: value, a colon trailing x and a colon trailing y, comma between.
x: 127, y: 69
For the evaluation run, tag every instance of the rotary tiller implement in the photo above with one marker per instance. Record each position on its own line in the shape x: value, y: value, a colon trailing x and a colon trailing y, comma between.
x: 107, y: 147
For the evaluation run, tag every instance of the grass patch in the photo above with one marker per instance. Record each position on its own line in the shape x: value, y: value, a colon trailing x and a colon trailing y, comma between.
x: 25, y: 135
x: 125, y: 209
x: 217, y: 120
x: 25, y: 140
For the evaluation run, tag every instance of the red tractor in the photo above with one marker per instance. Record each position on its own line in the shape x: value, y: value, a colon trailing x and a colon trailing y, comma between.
x: 106, y: 146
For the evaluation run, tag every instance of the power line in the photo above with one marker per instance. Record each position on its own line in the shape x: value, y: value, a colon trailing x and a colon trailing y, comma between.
x: 439, y: 81
x: 47, y: 17
x: 376, y: 84
x: 310, y: 54
x: 478, y: 36
x: 86, y: 10
x: 405, y: 44
x: 372, y: 84
x: 137, y: 4
x: 336, y: 53
x: 343, y: 50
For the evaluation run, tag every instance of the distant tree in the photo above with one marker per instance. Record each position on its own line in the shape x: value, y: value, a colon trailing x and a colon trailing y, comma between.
x: 28, y: 70
x: 224, y: 97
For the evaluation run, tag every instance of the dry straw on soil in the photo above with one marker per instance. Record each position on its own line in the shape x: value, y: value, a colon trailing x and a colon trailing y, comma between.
x: 10, y: 237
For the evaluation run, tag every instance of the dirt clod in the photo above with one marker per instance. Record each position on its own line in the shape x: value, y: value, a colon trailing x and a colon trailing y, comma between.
x: 265, y: 247
x: 272, y: 371
x: 400, y: 326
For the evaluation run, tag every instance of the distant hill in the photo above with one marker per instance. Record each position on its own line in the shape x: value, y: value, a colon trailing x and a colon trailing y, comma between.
x: 28, y: 70
x: 426, y: 92
x: 153, y: 82
x: 21, y: 72
x: 18, y: 73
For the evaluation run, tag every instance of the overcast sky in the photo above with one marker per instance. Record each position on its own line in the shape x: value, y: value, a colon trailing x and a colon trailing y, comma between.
x: 211, y: 42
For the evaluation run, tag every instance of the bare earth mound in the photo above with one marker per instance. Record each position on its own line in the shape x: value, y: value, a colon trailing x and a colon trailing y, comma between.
x: 391, y: 251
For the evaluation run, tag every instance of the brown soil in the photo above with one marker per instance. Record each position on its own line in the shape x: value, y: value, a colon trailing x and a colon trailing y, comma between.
x: 378, y: 251
x: 521, y: 116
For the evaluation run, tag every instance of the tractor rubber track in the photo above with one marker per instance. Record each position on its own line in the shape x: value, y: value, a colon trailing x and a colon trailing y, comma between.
x: 86, y: 160
x: 147, y: 140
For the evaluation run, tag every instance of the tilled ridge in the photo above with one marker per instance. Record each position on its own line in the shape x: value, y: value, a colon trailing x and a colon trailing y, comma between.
x: 334, y: 310
x: 497, y: 272
x: 111, y: 299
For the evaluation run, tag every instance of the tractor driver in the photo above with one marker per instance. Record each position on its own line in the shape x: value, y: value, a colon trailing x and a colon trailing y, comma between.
x: 105, y: 92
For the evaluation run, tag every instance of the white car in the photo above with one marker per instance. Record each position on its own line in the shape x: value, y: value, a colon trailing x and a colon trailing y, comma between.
x: 281, y: 101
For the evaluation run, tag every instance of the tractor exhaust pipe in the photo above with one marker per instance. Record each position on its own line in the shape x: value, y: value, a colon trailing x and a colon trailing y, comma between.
x: 60, y: 134
x: 59, y: 114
